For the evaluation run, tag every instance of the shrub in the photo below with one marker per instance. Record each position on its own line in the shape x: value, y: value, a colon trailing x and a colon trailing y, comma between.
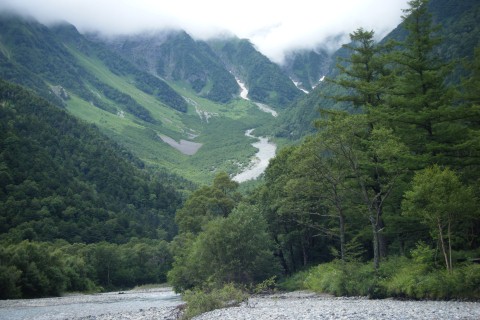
x: 199, y: 301
x: 415, y: 278
x: 294, y: 282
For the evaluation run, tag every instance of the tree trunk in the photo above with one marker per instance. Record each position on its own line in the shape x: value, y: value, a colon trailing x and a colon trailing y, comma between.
x: 304, y: 254
x: 280, y: 254
x: 342, y: 235
x: 292, y: 258
x: 382, y: 240
x: 442, y: 244
x: 450, y: 245
x: 376, y: 253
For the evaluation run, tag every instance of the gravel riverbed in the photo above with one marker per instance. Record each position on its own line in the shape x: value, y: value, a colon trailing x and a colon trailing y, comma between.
x: 305, y: 305
x: 156, y: 304
x: 137, y: 304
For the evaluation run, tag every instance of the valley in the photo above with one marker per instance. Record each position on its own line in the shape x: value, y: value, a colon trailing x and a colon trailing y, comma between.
x: 157, y: 157
x: 187, y: 115
x: 177, y: 142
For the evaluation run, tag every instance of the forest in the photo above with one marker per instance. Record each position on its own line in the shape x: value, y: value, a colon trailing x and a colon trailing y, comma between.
x: 68, y: 196
x: 382, y: 200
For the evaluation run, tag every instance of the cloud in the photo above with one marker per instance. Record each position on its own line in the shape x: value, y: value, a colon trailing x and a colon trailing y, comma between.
x: 275, y: 27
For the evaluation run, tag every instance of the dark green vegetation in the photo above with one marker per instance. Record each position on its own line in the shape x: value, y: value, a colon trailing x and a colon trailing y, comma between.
x: 382, y: 200
x: 38, y: 269
x: 61, y: 179
x: 70, y: 182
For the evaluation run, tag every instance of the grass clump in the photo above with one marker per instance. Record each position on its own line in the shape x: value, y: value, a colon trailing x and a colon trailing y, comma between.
x: 294, y: 282
x: 417, y: 277
x: 201, y: 301
x: 343, y: 279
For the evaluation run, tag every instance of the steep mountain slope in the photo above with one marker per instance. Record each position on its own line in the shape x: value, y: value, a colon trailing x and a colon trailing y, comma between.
x: 265, y: 80
x: 44, y: 53
x: 174, y: 55
x: 208, y: 67
x: 307, y: 67
x: 61, y: 179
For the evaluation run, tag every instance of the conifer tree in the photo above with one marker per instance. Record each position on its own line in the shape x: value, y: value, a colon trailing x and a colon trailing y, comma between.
x: 363, y: 74
x: 420, y: 105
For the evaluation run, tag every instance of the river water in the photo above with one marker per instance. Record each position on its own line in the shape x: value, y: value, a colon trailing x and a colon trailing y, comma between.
x: 105, y: 305
x: 244, y: 95
x: 266, y: 151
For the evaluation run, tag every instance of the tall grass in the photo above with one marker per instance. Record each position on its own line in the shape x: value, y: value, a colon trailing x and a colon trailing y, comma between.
x: 397, y: 277
x: 201, y: 301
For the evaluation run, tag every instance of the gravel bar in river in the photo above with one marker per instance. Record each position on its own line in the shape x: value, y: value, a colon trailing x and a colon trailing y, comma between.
x: 305, y: 305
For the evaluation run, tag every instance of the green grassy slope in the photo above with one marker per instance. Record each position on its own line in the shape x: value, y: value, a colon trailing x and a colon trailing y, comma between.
x: 222, y: 134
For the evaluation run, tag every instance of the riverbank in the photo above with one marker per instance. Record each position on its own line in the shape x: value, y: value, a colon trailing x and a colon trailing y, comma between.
x: 309, y: 306
x: 162, y: 303
x: 137, y: 304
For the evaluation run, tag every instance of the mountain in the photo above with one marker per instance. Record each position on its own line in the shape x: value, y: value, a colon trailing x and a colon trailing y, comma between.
x: 266, y: 81
x: 155, y: 118
x: 211, y: 68
x: 175, y: 56
x: 307, y: 67
x: 60, y: 178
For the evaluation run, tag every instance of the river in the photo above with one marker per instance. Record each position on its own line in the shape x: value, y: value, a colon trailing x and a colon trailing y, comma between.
x: 244, y: 95
x: 266, y: 151
x: 112, y: 305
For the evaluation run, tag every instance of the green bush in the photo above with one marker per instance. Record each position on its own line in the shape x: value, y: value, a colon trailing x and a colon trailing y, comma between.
x: 417, y: 282
x: 344, y: 279
x: 415, y: 278
x: 327, y: 278
x: 294, y: 282
x: 199, y: 301
x: 472, y: 281
x: 236, y: 248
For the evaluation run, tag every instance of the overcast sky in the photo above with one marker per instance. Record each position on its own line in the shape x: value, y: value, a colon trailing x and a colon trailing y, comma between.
x: 273, y: 26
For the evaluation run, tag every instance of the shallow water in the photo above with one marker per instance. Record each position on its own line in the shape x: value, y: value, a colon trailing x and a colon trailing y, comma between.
x: 266, y: 151
x: 78, y: 306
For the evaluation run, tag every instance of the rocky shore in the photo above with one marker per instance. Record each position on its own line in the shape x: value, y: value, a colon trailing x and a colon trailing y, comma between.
x: 309, y: 306
x: 158, y: 304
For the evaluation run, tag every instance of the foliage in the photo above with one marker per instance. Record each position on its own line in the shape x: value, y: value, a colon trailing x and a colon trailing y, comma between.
x: 199, y: 301
x: 235, y: 248
x: 397, y: 277
x: 442, y: 202
x: 37, y: 269
x: 294, y: 282
x: 207, y: 203
x: 351, y: 176
x: 342, y: 279
x: 61, y: 179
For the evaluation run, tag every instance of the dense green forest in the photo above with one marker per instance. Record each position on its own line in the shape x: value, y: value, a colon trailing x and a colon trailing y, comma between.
x: 382, y: 200
x: 63, y: 182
